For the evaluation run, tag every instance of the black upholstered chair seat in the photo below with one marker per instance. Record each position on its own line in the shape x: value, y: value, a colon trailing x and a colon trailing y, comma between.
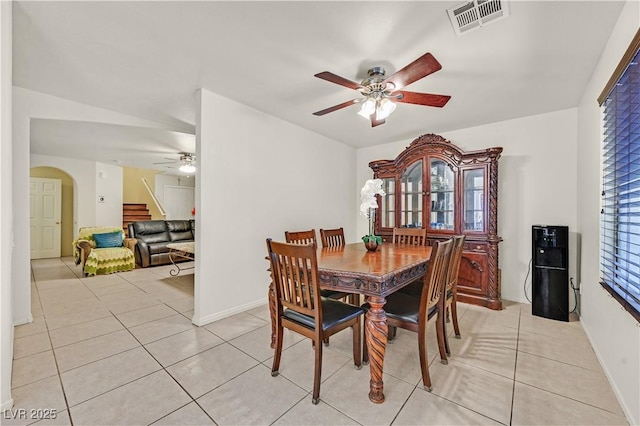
x: 414, y: 289
x: 403, y: 307
x: 334, y: 313
x: 332, y: 294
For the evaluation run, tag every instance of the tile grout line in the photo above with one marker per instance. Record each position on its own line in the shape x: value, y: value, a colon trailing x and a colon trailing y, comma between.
x: 141, y: 345
x: 515, y: 367
x: 163, y: 368
x: 59, y: 374
x: 55, y: 359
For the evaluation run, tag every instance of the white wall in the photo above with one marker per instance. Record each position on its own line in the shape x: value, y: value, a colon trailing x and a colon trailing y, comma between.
x: 256, y: 182
x: 84, y: 182
x: 537, y: 183
x: 109, y: 183
x: 164, y: 180
x: 614, y: 334
x: 6, y: 235
x: 90, y: 180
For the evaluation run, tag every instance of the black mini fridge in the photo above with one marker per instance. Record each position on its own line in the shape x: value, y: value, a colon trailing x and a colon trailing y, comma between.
x: 550, y: 276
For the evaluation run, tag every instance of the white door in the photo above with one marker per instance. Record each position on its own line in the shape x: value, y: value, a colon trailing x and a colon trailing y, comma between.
x: 45, y: 210
x: 179, y: 201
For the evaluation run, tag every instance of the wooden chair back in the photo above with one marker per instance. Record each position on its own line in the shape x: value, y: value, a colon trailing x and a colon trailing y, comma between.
x: 435, y: 277
x: 416, y: 236
x: 294, y: 269
x: 301, y: 237
x: 309, y: 237
x: 450, y: 291
x: 454, y: 264
x: 332, y: 237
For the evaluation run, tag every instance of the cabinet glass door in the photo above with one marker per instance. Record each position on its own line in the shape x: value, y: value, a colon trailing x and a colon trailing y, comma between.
x: 388, y: 203
x: 411, y: 197
x: 442, y: 214
x: 473, y: 203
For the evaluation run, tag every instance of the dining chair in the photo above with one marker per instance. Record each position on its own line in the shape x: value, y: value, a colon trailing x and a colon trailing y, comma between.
x: 301, y: 309
x: 301, y: 237
x: 450, y: 291
x: 332, y: 237
x: 335, y: 238
x: 412, y: 313
x: 309, y: 237
x: 417, y: 236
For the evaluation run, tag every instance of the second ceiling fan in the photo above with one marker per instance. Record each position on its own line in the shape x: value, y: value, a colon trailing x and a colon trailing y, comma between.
x: 380, y: 93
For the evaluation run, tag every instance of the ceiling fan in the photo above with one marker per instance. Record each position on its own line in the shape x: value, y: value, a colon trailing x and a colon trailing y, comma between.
x: 187, y: 162
x: 380, y: 93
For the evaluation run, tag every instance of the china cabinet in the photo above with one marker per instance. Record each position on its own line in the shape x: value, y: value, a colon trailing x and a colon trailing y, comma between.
x: 433, y: 184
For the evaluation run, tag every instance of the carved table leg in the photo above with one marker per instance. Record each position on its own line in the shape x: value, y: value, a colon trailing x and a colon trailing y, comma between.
x: 376, y: 336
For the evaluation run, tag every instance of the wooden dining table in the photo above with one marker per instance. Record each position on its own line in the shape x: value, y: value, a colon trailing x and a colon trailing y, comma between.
x: 353, y: 269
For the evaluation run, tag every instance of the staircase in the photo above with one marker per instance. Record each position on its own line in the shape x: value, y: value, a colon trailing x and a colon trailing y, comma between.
x: 132, y: 212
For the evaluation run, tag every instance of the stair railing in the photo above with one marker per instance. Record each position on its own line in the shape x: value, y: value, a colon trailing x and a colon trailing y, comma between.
x: 153, y: 196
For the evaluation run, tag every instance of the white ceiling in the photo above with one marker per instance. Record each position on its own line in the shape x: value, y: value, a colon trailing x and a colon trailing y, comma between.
x: 148, y: 59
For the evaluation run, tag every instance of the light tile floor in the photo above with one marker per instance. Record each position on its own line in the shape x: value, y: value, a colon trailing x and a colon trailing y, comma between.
x: 121, y: 349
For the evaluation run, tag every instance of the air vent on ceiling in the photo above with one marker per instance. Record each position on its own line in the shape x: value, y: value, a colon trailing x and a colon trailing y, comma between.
x: 474, y: 14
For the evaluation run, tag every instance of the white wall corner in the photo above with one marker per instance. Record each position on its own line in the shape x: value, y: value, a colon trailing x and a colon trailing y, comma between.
x: 6, y: 212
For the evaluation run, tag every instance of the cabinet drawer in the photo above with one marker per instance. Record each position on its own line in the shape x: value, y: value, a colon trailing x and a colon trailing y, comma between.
x: 475, y: 246
x: 474, y: 273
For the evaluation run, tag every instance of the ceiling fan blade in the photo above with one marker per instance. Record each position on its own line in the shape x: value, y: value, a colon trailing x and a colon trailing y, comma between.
x: 427, y: 99
x: 335, y: 107
x: 326, y: 75
x: 375, y: 122
x: 421, y: 67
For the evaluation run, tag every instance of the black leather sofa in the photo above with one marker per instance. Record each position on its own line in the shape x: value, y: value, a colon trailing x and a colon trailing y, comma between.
x: 153, y: 237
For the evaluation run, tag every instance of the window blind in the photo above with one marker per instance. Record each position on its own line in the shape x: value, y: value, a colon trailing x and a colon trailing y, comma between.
x: 620, y: 218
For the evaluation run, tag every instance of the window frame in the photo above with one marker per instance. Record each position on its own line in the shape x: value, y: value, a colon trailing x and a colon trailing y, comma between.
x: 614, y: 223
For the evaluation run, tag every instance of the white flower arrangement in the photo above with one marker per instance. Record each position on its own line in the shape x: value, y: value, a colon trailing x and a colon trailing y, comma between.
x: 371, y: 188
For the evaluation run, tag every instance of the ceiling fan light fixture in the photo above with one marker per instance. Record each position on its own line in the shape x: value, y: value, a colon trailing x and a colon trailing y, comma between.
x: 188, y: 163
x: 187, y: 168
x: 368, y: 108
x: 385, y: 108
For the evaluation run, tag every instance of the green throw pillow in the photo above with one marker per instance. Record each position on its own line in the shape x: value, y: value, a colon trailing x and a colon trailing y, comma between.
x: 108, y: 239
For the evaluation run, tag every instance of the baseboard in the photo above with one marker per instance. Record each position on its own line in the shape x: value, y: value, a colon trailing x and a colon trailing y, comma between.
x: 28, y: 320
x: 207, y: 319
x: 627, y: 412
x: 7, y: 405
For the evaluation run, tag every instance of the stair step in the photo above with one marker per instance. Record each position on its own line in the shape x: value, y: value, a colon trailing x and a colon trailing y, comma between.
x: 134, y: 207
x: 133, y: 218
x: 133, y: 212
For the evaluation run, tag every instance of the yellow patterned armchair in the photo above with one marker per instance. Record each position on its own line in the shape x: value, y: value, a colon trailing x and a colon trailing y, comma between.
x: 107, y: 253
